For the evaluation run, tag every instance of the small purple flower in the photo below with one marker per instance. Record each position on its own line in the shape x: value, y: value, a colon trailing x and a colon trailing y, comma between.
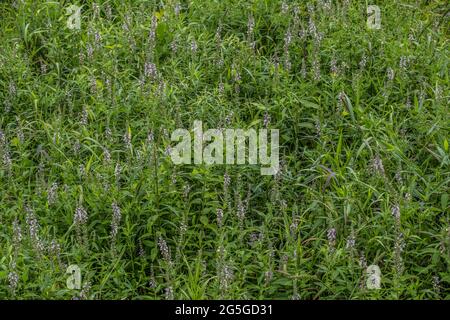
x: 219, y: 217
x: 390, y: 74
x: 150, y: 70
x: 13, y: 281
x: 164, y: 248
x: 396, y: 212
x: 266, y: 120
x: 52, y: 195
x: 194, y: 46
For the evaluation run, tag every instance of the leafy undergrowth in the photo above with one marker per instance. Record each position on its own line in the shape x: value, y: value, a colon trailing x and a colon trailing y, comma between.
x: 85, y: 124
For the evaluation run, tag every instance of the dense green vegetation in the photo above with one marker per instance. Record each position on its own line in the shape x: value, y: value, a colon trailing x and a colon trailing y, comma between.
x: 85, y: 123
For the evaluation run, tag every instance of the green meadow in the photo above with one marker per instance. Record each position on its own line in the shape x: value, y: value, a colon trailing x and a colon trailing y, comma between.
x: 87, y: 183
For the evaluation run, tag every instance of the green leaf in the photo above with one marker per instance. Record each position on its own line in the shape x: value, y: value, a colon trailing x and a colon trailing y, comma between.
x: 444, y: 201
